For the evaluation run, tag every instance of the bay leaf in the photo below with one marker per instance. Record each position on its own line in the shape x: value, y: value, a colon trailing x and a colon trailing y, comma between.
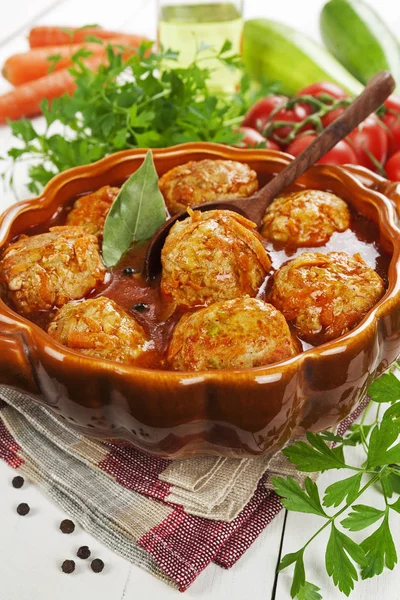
x: 136, y: 213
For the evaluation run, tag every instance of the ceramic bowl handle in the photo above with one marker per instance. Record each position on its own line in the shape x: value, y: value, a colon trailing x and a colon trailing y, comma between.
x: 15, y: 366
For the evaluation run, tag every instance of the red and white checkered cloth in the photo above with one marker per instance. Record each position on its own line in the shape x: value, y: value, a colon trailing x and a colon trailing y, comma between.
x: 116, y: 493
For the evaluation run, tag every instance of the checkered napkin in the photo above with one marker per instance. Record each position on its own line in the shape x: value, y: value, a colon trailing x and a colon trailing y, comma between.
x: 171, y: 518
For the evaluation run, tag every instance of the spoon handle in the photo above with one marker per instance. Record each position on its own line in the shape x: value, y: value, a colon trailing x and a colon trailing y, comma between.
x: 379, y: 87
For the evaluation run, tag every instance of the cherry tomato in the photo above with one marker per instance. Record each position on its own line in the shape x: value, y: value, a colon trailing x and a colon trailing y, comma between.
x: 253, y: 138
x: 318, y: 89
x: 341, y: 154
x: 332, y: 116
x: 392, y: 103
x: 260, y: 114
x: 392, y: 122
x: 369, y: 138
x: 393, y: 167
x: 324, y: 87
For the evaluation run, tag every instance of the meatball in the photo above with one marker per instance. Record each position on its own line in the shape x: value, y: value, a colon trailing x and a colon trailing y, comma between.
x: 91, y: 211
x: 234, y: 334
x: 99, y: 327
x: 205, y: 181
x: 325, y: 295
x: 210, y: 256
x: 50, y: 269
x: 305, y: 218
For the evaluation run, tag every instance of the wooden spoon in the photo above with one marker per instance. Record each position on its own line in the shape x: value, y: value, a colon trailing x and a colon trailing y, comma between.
x: 379, y: 87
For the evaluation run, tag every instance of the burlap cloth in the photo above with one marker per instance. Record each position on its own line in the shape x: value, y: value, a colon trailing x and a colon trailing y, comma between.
x: 170, y: 517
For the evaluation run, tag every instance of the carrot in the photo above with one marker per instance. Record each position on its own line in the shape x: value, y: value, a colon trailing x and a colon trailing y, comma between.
x: 25, y: 100
x: 57, y: 36
x: 28, y: 66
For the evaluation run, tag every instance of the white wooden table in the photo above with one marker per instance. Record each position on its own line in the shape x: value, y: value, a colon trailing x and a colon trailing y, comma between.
x: 32, y: 548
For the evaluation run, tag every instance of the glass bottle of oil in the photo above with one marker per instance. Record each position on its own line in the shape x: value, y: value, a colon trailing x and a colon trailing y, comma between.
x: 186, y: 25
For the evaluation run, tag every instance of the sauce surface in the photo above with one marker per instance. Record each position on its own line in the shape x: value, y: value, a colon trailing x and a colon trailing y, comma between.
x: 129, y: 289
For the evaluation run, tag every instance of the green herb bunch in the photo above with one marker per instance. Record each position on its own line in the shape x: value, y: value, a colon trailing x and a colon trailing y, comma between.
x: 346, y: 558
x: 144, y: 101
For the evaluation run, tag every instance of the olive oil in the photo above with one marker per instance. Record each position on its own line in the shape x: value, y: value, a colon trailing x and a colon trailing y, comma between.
x: 188, y: 27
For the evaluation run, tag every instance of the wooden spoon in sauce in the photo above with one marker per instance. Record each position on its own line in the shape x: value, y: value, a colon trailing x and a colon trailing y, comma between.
x: 379, y: 87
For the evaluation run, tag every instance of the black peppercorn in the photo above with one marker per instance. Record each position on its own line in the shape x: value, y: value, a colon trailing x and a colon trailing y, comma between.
x: 68, y: 566
x: 97, y: 565
x: 140, y: 307
x: 67, y: 526
x: 23, y: 509
x: 18, y: 482
x: 130, y: 271
x: 83, y: 552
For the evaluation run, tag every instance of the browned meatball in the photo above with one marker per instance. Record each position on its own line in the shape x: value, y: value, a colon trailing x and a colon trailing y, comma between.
x: 210, y: 256
x: 305, y: 218
x: 205, y: 181
x: 99, y: 327
x: 50, y: 269
x: 91, y: 211
x: 325, y: 295
x: 234, y: 334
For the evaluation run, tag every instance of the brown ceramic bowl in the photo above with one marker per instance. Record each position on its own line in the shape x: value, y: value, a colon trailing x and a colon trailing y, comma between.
x: 230, y: 413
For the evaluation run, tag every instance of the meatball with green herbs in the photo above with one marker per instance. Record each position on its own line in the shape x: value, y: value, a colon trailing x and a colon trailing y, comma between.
x: 99, y: 327
x: 46, y: 271
x: 211, y: 256
x: 234, y: 334
x: 325, y: 295
x: 306, y: 218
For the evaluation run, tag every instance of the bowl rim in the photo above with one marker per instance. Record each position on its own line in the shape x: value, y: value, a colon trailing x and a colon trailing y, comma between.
x: 389, y: 225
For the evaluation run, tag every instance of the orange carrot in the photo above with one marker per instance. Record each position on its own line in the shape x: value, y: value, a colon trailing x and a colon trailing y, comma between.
x: 25, y: 100
x: 28, y: 66
x: 56, y: 36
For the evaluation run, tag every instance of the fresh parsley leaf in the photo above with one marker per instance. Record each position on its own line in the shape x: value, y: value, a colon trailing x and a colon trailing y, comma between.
x: 314, y: 456
x: 345, y: 489
x: 289, y: 559
x: 362, y: 516
x: 380, y: 551
x: 23, y: 130
x: 358, y: 433
x: 295, y: 498
x: 385, y: 389
x: 309, y: 591
x: 144, y: 100
x: 299, y: 577
x: 396, y: 505
x: 382, y: 438
x: 337, y: 561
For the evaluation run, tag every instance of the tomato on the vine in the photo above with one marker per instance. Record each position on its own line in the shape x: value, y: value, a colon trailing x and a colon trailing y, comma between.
x: 252, y: 138
x: 332, y: 116
x: 260, y: 115
x: 369, y: 138
x: 392, y: 103
x: 340, y: 154
x: 323, y: 87
x: 393, y: 167
x: 392, y: 121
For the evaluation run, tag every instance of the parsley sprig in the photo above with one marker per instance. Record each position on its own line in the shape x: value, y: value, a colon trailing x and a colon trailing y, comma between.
x: 345, y: 558
x: 145, y: 100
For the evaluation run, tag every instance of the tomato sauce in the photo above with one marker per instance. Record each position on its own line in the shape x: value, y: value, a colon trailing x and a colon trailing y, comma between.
x: 126, y: 285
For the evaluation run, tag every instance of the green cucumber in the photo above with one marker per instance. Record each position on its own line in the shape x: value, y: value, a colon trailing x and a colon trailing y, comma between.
x: 356, y: 35
x: 277, y: 52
